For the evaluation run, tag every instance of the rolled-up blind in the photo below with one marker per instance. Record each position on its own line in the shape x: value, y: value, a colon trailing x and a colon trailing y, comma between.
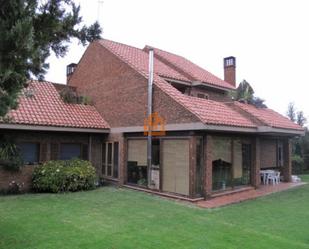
x: 137, y: 151
x: 222, y: 149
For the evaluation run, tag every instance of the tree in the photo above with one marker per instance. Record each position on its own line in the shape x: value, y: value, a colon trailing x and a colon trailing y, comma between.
x: 301, y: 119
x: 300, y: 145
x: 30, y: 30
x: 291, y: 112
x: 245, y: 93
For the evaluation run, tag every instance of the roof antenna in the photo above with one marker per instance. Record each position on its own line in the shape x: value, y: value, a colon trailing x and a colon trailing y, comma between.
x: 100, y: 12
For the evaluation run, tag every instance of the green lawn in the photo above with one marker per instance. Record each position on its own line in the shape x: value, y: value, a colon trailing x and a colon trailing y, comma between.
x: 120, y: 218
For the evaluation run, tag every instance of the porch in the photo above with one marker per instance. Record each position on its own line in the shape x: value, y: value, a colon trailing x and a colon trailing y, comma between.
x: 191, y: 166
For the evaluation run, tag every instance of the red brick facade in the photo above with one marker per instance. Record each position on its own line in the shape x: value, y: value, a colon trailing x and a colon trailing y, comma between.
x: 120, y: 93
x: 45, y: 140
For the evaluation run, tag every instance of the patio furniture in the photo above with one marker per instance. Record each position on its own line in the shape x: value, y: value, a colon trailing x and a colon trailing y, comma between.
x: 295, y: 179
x: 273, y: 177
x: 264, y: 174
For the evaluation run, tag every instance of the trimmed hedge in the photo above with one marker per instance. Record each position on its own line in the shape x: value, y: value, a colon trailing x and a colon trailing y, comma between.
x: 63, y: 176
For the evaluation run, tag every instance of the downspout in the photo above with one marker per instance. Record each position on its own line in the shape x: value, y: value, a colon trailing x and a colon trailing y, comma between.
x: 149, y: 117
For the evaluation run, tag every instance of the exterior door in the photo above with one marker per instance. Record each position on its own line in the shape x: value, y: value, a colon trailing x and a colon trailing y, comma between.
x: 175, y: 168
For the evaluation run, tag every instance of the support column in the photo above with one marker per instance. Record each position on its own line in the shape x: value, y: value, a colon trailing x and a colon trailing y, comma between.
x: 208, y: 150
x: 123, y: 160
x: 192, y: 166
x: 287, y: 164
x: 256, y: 162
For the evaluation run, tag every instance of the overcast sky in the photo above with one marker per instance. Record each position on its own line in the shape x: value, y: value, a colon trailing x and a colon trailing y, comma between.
x: 270, y: 39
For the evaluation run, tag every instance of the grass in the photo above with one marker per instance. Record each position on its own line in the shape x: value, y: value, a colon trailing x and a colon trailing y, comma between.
x: 120, y: 218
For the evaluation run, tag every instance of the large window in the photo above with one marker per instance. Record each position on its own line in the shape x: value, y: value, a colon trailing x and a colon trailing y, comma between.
x: 110, y: 159
x: 231, y: 162
x: 69, y: 151
x: 30, y: 152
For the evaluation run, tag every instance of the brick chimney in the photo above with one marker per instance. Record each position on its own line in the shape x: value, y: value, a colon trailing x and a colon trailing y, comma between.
x: 229, y: 64
x: 70, y: 70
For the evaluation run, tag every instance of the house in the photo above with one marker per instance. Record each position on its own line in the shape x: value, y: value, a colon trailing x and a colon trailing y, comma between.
x: 46, y: 128
x: 209, y: 143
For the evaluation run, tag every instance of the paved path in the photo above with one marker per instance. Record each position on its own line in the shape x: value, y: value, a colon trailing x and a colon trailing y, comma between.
x: 246, y: 195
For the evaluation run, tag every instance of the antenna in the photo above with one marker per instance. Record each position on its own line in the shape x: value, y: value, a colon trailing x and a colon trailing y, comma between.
x: 100, y: 12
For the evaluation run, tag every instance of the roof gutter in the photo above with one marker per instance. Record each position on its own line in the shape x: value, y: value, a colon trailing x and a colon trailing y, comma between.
x: 267, y: 129
x: 52, y: 128
x: 220, y: 128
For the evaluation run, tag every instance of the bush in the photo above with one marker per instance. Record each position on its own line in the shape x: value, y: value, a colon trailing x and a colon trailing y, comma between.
x: 298, y: 165
x: 10, y: 158
x: 62, y: 176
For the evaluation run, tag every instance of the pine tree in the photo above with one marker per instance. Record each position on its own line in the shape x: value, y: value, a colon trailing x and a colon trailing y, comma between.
x: 30, y: 30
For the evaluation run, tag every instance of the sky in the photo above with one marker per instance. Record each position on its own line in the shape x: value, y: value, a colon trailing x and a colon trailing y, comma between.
x: 269, y: 39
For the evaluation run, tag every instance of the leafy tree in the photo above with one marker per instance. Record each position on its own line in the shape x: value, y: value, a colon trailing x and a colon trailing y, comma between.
x: 291, y: 112
x: 301, y: 119
x: 245, y: 93
x: 300, y: 145
x: 304, y: 144
x: 30, y: 30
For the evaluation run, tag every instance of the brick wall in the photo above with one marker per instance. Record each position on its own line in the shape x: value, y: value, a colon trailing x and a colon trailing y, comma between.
x: 45, y: 139
x: 268, y: 153
x: 119, y: 92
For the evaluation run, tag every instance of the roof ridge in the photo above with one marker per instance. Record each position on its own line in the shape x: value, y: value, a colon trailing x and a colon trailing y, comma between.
x: 242, y: 111
x: 148, y: 46
x: 184, y: 70
x: 120, y: 43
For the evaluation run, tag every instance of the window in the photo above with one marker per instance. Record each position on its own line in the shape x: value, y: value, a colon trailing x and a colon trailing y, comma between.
x: 110, y: 159
x: 69, y: 151
x: 104, y: 158
x: 279, y: 154
x: 202, y: 96
x: 156, y: 152
x: 30, y: 152
x: 116, y: 159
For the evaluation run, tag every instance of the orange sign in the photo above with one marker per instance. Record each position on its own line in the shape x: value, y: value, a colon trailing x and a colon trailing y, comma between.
x: 155, y: 124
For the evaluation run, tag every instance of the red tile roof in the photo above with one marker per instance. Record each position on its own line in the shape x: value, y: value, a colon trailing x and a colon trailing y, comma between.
x: 139, y: 59
x: 209, y: 112
x: 46, y: 108
x: 217, y: 113
x: 195, y: 71
x: 269, y: 117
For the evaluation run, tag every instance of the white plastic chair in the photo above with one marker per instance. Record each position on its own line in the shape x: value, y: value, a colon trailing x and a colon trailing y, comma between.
x: 273, y: 177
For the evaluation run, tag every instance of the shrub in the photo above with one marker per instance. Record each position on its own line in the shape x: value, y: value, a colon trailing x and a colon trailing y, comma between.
x: 62, y: 176
x: 10, y: 157
x: 68, y: 95
x: 298, y: 165
x: 15, y: 188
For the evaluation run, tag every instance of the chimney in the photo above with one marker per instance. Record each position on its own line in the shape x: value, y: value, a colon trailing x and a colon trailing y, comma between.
x: 229, y: 64
x: 70, y: 70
